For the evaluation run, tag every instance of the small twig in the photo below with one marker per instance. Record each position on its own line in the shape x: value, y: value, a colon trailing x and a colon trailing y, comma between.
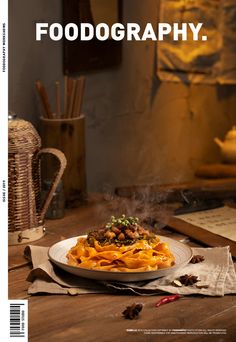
x: 58, y: 99
x: 72, y: 99
x: 65, y: 94
x: 76, y: 98
x: 81, y: 97
x: 44, y: 98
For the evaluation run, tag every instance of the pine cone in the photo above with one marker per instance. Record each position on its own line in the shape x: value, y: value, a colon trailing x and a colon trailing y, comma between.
x: 132, y: 311
x: 188, y: 279
x: 197, y: 258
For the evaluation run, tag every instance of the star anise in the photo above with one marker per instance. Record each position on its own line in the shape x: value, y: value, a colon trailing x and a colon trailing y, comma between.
x: 196, y: 259
x: 132, y: 311
x: 188, y: 279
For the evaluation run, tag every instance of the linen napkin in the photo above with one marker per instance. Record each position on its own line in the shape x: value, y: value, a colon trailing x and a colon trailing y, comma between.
x: 217, y: 271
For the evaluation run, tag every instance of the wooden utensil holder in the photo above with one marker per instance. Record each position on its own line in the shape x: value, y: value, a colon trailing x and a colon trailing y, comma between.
x: 67, y: 135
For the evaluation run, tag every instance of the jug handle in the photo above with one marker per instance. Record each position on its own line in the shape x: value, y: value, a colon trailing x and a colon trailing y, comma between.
x: 62, y: 159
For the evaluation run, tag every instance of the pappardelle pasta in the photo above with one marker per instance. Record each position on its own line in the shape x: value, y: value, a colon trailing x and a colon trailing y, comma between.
x: 121, y: 246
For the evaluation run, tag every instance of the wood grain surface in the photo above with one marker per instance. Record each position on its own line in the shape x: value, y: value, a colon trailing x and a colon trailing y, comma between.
x: 88, y: 318
x: 91, y: 318
x: 216, y: 171
x: 199, y: 188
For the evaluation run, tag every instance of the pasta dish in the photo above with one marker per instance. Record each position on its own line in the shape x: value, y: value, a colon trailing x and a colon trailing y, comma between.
x: 122, y: 245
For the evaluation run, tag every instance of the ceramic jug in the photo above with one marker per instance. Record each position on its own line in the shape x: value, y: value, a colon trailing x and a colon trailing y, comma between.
x: 228, y: 147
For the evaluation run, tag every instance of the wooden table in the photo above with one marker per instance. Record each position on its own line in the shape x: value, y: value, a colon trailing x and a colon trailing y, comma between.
x: 99, y: 317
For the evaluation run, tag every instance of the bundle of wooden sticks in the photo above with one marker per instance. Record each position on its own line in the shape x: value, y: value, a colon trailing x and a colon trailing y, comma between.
x: 73, y: 98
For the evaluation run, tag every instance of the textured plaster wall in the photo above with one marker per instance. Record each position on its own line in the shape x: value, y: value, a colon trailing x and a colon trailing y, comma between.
x: 139, y: 130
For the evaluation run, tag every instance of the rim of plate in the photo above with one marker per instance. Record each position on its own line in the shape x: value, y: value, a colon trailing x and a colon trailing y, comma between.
x: 162, y: 238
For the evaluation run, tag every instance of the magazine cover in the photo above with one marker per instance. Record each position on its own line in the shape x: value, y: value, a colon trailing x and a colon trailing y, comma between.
x: 118, y: 170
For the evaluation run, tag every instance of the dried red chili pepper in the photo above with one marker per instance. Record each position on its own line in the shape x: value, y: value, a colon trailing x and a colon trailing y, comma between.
x: 168, y: 299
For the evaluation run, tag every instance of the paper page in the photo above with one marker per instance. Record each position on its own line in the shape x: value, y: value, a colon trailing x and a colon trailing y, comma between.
x: 220, y: 221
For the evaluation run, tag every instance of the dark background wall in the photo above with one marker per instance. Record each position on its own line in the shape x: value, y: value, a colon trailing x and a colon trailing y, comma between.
x: 138, y: 130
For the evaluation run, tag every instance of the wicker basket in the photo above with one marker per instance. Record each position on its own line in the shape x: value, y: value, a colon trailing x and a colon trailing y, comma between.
x: 25, y: 216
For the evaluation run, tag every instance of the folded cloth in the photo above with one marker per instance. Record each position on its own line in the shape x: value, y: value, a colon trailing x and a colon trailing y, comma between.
x: 216, y: 271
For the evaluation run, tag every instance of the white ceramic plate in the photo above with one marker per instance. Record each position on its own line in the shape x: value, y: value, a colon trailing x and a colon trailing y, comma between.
x: 57, y: 254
